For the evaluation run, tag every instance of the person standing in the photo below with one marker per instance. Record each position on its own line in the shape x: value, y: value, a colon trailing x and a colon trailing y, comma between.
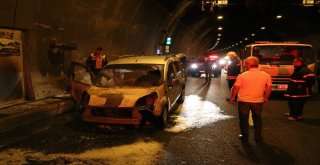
x: 207, y: 70
x: 96, y: 61
x: 253, y: 88
x: 233, y: 69
x: 299, y: 89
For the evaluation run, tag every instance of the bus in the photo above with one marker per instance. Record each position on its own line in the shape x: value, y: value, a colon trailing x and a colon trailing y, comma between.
x: 276, y: 59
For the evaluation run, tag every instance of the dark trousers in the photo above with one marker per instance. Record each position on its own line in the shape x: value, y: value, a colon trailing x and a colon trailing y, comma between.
x: 296, y: 106
x: 231, y: 83
x: 256, y: 109
x: 208, y: 76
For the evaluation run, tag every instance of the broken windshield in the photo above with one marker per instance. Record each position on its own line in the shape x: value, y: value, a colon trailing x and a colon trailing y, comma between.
x: 130, y: 75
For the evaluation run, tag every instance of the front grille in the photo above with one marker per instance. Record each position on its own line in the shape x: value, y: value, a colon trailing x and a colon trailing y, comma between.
x: 112, y: 112
x: 280, y: 80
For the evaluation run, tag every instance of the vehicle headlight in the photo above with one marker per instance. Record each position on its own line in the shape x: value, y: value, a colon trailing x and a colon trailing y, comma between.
x: 222, y: 62
x: 148, y: 101
x: 214, y: 65
x: 229, y: 62
x: 193, y: 66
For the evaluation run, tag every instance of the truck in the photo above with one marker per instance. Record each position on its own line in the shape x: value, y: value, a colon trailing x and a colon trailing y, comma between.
x: 276, y: 59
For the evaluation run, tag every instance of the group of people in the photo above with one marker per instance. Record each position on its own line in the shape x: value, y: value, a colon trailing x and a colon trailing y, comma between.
x: 253, y: 87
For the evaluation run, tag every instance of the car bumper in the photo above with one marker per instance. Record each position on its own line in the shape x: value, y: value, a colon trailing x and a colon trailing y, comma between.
x: 111, y: 115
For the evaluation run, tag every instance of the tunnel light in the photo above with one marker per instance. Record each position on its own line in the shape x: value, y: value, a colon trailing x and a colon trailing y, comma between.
x: 218, y: 39
x: 263, y: 28
x: 219, y: 35
x: 279, y: 16
x: 308, y: 2
x: 220, y: 17
x: 246, y: 38
x: 220, y: 28
x: 253, y: 34
x: 240, y: 42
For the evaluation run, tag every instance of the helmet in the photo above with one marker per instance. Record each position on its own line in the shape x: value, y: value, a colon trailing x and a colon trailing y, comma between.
x: 232, y: 54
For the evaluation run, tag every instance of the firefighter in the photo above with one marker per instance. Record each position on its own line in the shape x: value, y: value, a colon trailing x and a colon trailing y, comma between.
x: 299, y: 89
x: 96, y: 61
x: 233, y: 69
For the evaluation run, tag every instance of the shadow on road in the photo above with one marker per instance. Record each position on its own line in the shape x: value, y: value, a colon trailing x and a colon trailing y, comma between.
x: 264, y: 153
x: 308, y: 121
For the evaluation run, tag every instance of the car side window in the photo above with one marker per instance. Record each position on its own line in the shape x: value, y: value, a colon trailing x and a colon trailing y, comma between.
x: 177, y: 66
x: 170, y: 75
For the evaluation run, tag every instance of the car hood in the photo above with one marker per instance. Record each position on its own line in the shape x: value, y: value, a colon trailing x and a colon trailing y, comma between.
x: 117, y: 97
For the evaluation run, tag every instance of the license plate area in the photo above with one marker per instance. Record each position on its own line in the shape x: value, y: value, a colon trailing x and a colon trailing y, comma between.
x: 284, y: 86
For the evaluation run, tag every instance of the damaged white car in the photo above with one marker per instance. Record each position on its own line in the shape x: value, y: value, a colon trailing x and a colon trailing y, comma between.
x: 130, y: 90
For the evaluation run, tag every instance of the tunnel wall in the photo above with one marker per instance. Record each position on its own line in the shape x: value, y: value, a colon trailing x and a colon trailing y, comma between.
x: 57, y: 32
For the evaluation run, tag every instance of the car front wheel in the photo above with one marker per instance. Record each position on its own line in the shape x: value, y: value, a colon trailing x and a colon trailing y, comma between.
x: 161, y: 121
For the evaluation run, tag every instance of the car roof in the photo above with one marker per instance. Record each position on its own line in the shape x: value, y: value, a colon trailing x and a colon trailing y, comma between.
x: 142, y: 60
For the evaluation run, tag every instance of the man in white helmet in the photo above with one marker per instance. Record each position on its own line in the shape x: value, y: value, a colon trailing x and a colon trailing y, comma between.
x: 233, y: 69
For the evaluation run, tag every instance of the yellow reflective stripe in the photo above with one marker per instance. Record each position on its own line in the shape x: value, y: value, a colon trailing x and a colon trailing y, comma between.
x: 297, y: 80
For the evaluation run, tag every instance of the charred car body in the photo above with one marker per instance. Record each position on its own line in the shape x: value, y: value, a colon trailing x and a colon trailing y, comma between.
x: 129, y: 90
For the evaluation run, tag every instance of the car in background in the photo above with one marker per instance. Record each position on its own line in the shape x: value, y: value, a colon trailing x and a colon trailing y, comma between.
x: 129, y: 90
x: 214, y: 60
x: 195, y: 67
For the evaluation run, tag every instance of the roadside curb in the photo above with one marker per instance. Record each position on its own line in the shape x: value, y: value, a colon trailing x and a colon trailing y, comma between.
x: 30, y: 112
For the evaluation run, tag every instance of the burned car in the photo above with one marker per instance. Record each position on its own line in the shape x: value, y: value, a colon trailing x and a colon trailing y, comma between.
x: 129, y: 90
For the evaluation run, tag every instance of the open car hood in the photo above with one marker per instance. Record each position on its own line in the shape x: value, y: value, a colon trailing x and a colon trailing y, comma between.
x: 117, y: 97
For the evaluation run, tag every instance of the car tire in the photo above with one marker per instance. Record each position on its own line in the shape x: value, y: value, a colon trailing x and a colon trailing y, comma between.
x: 161, y: 121
x: 181, y: 97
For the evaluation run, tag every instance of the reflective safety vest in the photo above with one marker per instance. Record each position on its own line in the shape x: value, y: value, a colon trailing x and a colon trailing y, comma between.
x: 99, y: 60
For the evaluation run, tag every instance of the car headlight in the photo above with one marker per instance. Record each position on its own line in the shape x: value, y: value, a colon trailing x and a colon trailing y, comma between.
x: 149, y: 101
x: 222, y: 62
x: 214, y: 65
x: 194, y: 66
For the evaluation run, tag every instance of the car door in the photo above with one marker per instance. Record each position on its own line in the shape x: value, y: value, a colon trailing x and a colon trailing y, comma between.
x: 80, y: 80
x: 172, y: 85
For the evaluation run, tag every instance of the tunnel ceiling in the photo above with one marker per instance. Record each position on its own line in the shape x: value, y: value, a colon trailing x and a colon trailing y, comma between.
x: 244, y: 18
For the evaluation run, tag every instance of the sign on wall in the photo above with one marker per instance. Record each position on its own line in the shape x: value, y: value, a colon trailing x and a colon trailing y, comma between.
x: 11, y: 66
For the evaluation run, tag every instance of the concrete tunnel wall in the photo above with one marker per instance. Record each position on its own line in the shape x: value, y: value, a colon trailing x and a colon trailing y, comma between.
x: 57, y: 32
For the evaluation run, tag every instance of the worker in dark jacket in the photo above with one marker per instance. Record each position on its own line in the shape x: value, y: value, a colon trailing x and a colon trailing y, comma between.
x: 96, y: 61
x: 233, y: 69
x: 299, y: 88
